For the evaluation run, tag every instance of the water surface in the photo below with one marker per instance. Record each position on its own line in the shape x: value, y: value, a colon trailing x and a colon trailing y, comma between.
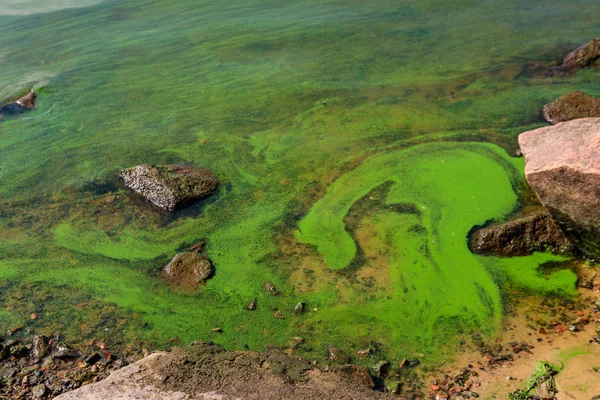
x: 358, y: 143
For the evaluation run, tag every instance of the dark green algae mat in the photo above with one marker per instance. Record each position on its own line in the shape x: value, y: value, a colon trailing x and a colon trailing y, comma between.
x: 358, y: 143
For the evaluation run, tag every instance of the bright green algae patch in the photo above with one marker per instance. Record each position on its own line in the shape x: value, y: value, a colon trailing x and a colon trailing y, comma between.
x: 466, y: 187
x: 439, y: 288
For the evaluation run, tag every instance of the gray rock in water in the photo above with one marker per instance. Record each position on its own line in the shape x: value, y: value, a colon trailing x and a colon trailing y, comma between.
x: 522, y: 236
x: 188, y: 270
x: 170, y: 187
x: 562, y: 165
x: 570, y: 106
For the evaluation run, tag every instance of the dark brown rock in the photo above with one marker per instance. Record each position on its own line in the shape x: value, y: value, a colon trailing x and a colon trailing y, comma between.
x: 572, y: 106
x: 170, y: 187
x: 28, y: 100
x: 583, y: 56
x: 563, y: 167
x: 19, y: 105
x: 522, y: 236
x: 188, y: 270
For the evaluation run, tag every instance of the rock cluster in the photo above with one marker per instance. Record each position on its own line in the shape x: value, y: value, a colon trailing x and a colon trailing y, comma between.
x: 563, y: 167
x: 45, y: 368
x: 522, y: 236
x: 170, y: 187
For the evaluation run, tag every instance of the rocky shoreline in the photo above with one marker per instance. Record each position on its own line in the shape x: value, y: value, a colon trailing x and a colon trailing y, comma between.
x: 39, y: 367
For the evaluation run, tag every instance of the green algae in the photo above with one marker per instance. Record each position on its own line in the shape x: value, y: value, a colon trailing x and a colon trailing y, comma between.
x: 279, y: 100
x: 129, y: 245
x: 451, y: 187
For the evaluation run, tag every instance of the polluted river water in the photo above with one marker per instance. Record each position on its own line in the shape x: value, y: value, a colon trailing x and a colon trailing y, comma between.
x: 358, y: 143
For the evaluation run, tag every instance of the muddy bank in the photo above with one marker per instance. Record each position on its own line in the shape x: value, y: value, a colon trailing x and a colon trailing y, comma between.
x: 561, y: 331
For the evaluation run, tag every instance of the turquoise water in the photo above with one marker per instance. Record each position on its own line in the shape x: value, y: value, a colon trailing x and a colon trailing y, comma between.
x: 304, y: 110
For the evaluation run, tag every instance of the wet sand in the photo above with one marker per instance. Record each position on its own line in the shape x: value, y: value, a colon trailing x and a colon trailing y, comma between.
x: 576, y: 351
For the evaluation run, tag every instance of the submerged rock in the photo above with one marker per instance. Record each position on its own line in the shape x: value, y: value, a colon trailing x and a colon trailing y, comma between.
x: 170, y: 187
x: 270, y: 288
x: 188, y: 270
x: 522, y: 236
x: 21, y: 104
x: 252, y: 305
x: 563, y: 167
x: 572, y: 106
x: 584, y: 56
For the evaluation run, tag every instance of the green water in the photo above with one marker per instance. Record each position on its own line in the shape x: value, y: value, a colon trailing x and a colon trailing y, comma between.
x: 304, y: 110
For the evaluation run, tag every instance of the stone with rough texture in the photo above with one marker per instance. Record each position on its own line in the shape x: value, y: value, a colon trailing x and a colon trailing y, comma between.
x: 563, y: 167
x: 170, y: 187
x: 570, y: 106
x: 583, y: 56
x: 188, y: 270
x: 204, y: 371
x: 522, y: 236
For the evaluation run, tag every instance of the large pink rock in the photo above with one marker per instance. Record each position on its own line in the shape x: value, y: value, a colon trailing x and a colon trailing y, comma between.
x: 563, y: 167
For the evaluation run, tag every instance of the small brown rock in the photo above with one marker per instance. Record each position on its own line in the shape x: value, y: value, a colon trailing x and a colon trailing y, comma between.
x: 252, y: 305
x: 270, y: 288
x: 572, y: 106
x: 188, y: 270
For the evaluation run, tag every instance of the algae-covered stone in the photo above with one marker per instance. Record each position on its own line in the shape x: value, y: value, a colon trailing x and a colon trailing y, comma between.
x: 170, y: 187
x: 572, y: 106
x: 188, y: 270
x: 338, y: 355
x: 522, y: 236
x: 586, y: 55
x: 563, y: 167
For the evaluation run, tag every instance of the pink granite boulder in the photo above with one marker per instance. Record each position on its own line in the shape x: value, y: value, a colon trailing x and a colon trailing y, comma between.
x: 563, y: 167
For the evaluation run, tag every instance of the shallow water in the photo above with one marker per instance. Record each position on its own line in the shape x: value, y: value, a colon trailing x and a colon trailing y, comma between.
x: 305, y: 110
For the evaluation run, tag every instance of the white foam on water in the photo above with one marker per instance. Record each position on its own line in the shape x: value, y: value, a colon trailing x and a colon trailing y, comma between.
x: 26, y: 7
